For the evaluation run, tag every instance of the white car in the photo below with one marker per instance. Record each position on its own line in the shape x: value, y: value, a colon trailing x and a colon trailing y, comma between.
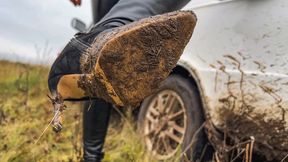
x: 230, y: 85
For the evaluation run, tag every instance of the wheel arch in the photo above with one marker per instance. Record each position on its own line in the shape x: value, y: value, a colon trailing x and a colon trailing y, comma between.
x: 186, y: 71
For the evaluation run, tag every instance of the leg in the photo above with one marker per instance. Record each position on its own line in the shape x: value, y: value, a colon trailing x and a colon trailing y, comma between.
x: 65, y: 72
x: 125, y: 64
x: 95, y: 125
x: 69, y: 61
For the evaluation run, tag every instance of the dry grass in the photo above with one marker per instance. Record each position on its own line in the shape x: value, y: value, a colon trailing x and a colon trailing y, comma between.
x: 25, y: 111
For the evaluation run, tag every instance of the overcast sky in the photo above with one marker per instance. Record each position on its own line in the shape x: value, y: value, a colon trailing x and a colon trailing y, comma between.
x: 28, y: 27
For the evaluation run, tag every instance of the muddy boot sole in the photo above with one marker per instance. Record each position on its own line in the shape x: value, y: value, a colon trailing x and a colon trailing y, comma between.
x: 133, y: 60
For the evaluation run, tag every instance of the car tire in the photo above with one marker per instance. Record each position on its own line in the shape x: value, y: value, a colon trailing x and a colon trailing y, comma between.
x: 188, y: 93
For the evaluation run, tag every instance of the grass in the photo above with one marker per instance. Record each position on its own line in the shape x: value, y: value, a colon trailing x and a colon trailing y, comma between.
x: 25, y: 111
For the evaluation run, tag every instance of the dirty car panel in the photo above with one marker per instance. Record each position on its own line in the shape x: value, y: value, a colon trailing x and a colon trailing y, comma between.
x: 238, y: 57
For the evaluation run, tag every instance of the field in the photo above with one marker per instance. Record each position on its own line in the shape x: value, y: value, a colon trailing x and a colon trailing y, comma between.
x: 25, y: 111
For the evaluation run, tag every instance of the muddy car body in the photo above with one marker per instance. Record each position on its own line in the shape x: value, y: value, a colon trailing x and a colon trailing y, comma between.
x: 235, y: 64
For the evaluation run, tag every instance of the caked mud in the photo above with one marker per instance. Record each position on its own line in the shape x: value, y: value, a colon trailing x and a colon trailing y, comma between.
x: 270, y: 136
x: 128, y: 63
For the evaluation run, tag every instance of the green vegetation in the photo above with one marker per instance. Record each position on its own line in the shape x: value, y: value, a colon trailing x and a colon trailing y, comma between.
x: 25, y: 111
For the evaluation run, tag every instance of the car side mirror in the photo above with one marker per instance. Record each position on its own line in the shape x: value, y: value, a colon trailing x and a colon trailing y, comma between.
x: 78, y: 25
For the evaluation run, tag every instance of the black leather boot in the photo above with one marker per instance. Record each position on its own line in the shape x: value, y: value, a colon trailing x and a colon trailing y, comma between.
x: 122, y: 65
x: 95, y: 124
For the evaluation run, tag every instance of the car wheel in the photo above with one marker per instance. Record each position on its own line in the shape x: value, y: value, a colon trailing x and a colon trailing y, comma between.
x: 169, y: 119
